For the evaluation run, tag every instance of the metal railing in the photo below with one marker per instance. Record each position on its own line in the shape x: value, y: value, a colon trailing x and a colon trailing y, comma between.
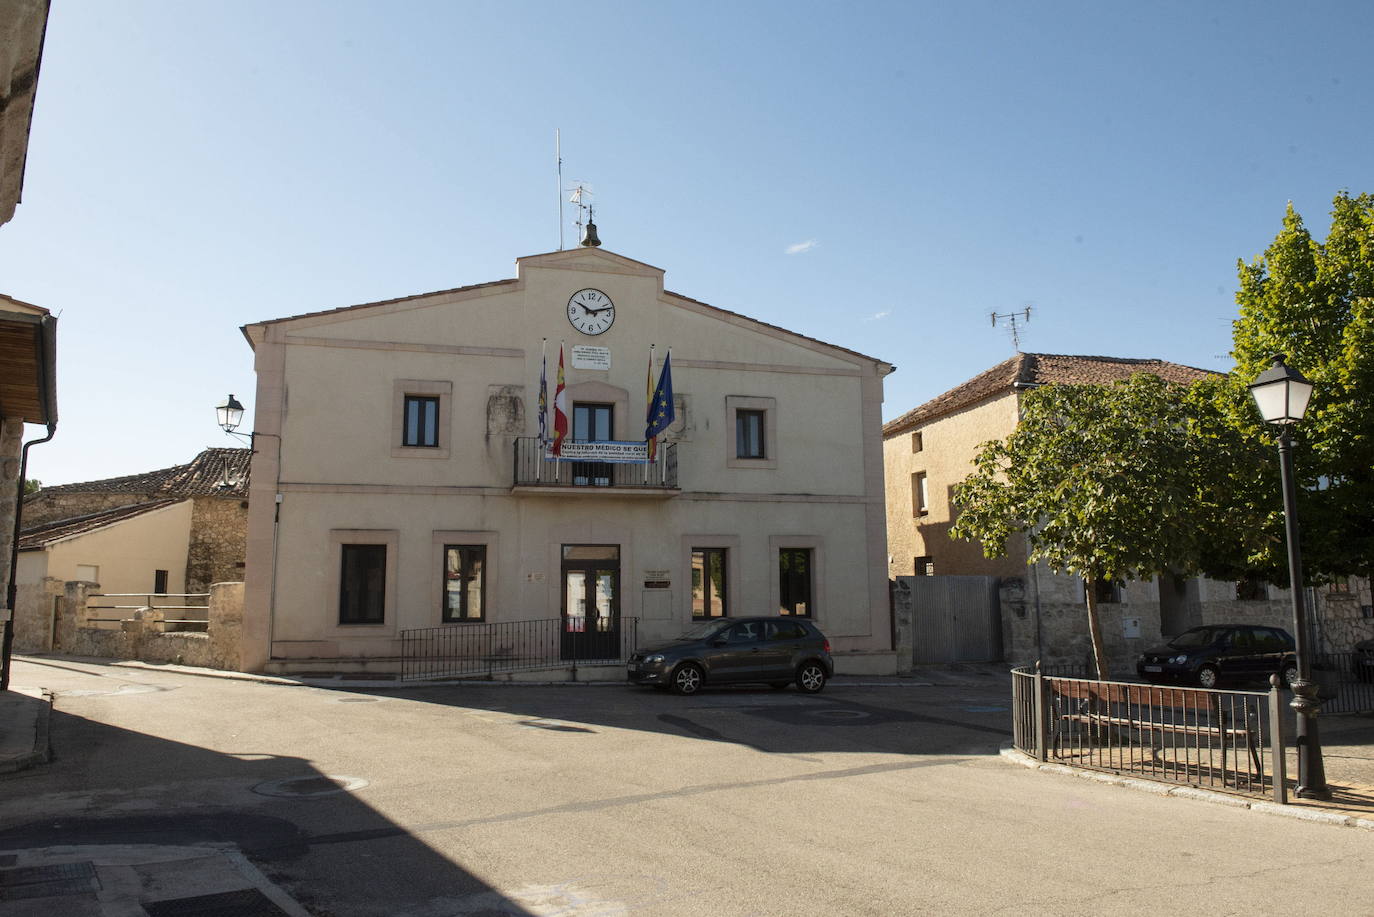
x: 532, y: 469
x: 185, y: 615
x: 1347, y: 682
x: 467, y: 650
x: 1222, y: 740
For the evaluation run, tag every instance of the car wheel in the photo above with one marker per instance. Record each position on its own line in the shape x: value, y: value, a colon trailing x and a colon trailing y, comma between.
x: 1207, y: 676
x: 1289, y: 673
x: 687, y: 678
x: 811, y: 677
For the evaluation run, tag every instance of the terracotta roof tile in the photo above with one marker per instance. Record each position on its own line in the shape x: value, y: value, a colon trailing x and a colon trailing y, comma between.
x: 1029, y: 369
x: 41, y: 535
x: 205, y: 475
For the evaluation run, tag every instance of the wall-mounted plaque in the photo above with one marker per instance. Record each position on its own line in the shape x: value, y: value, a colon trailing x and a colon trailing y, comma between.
x: 585, y: 356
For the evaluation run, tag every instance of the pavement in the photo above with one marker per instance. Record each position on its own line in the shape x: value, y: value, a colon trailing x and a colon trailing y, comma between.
x: 134, y: 880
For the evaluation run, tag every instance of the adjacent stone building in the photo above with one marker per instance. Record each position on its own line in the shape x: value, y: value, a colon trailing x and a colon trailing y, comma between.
x: 930, y: 449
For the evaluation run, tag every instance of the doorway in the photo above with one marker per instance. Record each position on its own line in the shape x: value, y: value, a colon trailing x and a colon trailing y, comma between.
x: 591, y: 602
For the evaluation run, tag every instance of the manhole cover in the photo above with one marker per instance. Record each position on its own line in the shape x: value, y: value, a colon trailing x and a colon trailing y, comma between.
x: 841, y: 714
x: 305, y: 787
x: 48, y: 881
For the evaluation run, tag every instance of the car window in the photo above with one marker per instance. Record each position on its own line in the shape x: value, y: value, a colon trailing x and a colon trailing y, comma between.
x: 1273, y: 641
x: 1198, y: 637
x: 1243, y: 641
x: 785, y: 630
x: 743, y: 633
x: 700, y: 631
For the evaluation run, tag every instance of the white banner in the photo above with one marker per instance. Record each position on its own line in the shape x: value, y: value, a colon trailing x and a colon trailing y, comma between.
x: 624, y: 453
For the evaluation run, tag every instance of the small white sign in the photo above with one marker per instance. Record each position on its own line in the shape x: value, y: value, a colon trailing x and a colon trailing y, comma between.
x: 584, y: 356
x: 534, y: 577
x: 655, y: 574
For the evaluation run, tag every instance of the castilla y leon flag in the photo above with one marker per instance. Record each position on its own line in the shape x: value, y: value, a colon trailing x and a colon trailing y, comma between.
x: 543, y: 400
x: 560, y: 409
x: 660, y: 414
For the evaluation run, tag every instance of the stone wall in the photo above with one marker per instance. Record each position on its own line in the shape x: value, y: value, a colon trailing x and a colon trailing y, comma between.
x: 34, y: 611
x: 142, y: 637
x: 218, y: 544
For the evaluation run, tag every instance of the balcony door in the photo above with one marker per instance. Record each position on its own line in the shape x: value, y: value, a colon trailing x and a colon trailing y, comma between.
x: 592, y: 423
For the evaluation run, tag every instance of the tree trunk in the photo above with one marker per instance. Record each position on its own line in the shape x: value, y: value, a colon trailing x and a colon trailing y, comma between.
x: 1095, y: 631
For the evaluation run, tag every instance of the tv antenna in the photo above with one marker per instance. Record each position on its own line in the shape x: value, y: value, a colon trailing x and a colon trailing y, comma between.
x: 586, y: 226
x: 1012, y: 319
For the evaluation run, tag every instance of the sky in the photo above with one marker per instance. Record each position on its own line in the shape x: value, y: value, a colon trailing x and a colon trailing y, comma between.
x: 882, y: 176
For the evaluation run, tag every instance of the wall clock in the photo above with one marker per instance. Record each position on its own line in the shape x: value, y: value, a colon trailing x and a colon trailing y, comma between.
x: 591, y: 311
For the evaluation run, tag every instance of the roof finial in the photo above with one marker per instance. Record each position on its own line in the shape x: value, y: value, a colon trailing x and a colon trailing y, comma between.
x: 589, y: 239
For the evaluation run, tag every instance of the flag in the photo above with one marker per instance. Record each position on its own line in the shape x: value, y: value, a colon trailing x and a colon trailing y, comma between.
x: 543, y: 399
x: 661, y: 413
x: 560, y: 409
x: 649, y: 405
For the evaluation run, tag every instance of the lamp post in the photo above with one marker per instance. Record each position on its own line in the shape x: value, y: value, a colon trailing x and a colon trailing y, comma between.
x: 1281, y: 394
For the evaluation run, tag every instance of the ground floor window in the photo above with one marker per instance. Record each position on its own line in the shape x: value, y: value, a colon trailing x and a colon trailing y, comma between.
x: 794, y: 581
x: 465, y: 582
x: 925, y: 566
x: 362, y: 586
x: 708, y: 583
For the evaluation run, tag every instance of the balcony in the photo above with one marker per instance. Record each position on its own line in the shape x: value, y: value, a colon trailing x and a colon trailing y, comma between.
x: 538, y: 475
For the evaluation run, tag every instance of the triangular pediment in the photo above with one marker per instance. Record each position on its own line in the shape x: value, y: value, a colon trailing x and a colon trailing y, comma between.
x: 588, y: 259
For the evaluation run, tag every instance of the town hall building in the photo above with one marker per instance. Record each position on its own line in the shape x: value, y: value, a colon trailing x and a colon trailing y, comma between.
x: 404, y: 476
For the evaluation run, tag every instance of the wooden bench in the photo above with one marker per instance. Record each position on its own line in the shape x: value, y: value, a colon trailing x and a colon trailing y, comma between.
x: 1100, y: 706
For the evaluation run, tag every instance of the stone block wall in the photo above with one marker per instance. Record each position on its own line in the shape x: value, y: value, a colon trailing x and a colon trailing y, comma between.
x: 142, y: 637
x: 49, y: 507
x: 11, y: 445
x: 218, y: 544
x: 34, y: 612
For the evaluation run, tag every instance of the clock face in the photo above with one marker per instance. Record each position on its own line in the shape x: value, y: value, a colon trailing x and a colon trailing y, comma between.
x: 591, y: 311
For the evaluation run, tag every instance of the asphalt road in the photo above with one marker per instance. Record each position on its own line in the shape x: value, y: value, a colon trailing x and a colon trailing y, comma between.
x: 477, y: 800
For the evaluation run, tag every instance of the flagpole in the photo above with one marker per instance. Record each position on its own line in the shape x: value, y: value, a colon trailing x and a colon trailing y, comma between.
x: 648, y: 412
x: 543, y: 407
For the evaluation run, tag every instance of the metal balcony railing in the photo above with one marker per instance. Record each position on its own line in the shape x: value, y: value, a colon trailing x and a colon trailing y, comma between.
x: 534, y: 469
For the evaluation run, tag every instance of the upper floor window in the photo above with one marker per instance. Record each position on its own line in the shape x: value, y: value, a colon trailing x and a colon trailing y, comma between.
x: 916, y: 444
x: 1252, y: 589
x: 421, y: 426
x: 925, y: 566
x: 920, y: 495
x: 1105, y: 591
x: 750, y: 435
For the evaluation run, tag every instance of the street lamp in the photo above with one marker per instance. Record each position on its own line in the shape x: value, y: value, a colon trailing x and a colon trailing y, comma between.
x: 1281, y: 394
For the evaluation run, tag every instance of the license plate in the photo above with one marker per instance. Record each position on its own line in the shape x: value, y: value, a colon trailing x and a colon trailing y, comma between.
x: 1154, y: 668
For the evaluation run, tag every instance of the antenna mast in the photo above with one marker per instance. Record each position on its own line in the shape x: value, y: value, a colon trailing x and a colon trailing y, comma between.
x: 582, y: 197
x: 558, y: 154
x: 1011, y: 318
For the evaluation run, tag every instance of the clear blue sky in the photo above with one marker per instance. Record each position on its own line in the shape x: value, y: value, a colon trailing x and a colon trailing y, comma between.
x: 197, y: 166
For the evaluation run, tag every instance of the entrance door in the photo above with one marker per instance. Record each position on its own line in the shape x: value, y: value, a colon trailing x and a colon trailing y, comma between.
x: 592, y: 424
x: 591, y: 602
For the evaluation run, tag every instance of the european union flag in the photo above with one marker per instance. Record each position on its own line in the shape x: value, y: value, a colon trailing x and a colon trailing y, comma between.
x: 660, y: 415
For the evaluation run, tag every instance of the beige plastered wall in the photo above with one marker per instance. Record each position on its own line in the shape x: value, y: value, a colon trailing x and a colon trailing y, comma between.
x: 326, y: 394
x: 948, y: 446
x: 127, y: 552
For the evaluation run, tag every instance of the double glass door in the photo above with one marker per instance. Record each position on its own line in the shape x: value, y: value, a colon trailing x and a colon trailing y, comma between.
x: 591, y: 602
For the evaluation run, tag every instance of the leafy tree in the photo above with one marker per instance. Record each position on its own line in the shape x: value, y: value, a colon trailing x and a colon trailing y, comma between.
x: 1115, y: 483
x: 1314, y: 302
x: 32, y: 486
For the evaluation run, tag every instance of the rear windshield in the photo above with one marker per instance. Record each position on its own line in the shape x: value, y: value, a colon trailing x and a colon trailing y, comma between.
x: 1203, y: 636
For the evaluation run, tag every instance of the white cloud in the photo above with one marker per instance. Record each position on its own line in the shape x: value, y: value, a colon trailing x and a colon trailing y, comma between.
x: 878, y: 316
x: 801, y: 247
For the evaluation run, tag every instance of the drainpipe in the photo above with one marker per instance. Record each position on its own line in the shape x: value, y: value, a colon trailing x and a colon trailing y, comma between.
x: 11, y: 589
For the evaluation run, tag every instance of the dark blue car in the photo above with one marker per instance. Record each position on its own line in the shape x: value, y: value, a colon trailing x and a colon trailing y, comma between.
x: 776, y: 651
x: 1206, y: 655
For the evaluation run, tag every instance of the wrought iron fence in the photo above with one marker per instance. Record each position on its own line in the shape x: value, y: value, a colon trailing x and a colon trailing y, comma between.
x: 1346, y: 680
x: 532, y: 469
x: 466, y: 650
x: 1223, y: 740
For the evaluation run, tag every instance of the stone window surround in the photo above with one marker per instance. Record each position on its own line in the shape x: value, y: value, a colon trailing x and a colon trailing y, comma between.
x: 595, y: 391
x: 817, y: 545
x: 329, y: 605
x: 433, y: 387
x: 490, y: 595
x: 732, y: 575
x: 769, y: 407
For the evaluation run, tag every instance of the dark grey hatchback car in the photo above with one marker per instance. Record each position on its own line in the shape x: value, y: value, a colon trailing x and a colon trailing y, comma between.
x: 775, y: 651
x: 1205, y: 655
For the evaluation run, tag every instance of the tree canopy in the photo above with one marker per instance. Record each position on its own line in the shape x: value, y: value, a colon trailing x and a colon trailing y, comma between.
x: 1117, y: 482
x: 1314, y: 303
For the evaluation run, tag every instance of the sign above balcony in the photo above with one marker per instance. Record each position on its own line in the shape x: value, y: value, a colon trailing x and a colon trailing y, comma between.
x: 626, y: 453
x: 585, y: 356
